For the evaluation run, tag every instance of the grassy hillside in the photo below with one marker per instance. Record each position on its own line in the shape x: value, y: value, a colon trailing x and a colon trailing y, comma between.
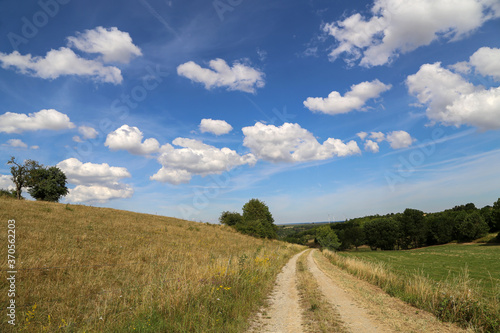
x: 84, y: 269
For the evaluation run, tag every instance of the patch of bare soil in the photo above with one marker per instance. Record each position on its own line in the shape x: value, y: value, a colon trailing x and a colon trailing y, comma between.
x: 354, y: 316
x: 362, y: 306
x: 284, y: 314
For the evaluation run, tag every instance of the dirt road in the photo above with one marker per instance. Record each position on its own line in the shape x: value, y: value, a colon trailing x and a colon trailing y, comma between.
x: 362, y: 307
x: 284, y: 313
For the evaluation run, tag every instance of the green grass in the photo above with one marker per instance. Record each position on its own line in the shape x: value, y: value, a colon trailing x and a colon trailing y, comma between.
x: 443, y: 262
x: 457, y: 293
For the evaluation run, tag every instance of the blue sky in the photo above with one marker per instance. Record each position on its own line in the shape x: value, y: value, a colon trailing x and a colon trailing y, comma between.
x: 325, y: 110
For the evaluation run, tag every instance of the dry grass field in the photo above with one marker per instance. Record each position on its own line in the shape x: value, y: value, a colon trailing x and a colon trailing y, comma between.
x: 86, y: 269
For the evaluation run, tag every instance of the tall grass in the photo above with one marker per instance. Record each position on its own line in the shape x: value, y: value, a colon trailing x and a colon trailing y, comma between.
x: 456, y: 299
x: 85, y: 269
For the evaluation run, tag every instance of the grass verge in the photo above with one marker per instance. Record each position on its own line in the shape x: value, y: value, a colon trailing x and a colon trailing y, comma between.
x: 454, y: 299
x: 319, y: 315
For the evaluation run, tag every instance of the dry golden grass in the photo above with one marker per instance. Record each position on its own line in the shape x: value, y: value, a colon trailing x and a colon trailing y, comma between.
x: 84, y: 269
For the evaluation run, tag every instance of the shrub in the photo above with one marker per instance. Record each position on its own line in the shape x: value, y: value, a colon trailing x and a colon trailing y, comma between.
x: 8, y: 193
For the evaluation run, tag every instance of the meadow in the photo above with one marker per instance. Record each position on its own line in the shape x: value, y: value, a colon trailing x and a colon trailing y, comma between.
x: 445, y: 262
x: 87, y: 269
x: 456, y: 282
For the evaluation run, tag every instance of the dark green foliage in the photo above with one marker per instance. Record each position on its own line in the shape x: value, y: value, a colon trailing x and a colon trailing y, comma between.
x: 470, y: 207
x: 470, y: 226
x: 257, y: 210
x: 382, y: 233
x: 352, y: 235
x: 412, y: 228
x: 327, y: 238
x: 440, y: 228
x: 303, y: 235
x: 495, y: 216
x: 257, y: 228
x: 487, y: 214
x: 230, y: 218
x: 48, y: 184
x: 256, y: 221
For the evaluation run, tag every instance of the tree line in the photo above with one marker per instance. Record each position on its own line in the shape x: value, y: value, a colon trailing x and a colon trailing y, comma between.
x: 410, y: 229
x: 46, y: 183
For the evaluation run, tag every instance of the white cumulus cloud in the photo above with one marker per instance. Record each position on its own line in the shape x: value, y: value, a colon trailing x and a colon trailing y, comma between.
x: 58, y: 63
x: 292, y: 143
x: 42, y: 120
x: 452, y: 100
x: 95, y: 182
x: 6, y: 182
x: 399, y: 139
x: 371, y: 146
x: 362, y: 135
x: 86, y: 132
x: 217, y: 127
x: 401, y: 26
x: 378, y: 136
x: 238, y: 77
x: 99, y: 193
x: 196, y: 158
x: 15, y: 143
x: 354, y: 99
x: 172, y: 176
x: 130, y: 139
x: 396, y: 139
x: 90, y: 173
x: 114, y: 45
x: 486, y: 60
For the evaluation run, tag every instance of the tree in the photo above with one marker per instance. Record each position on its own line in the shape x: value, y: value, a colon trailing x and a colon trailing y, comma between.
x: 495, y: 216
x: 256, y: 220
x: 48, y: 184
x: 440, y: 227
x: 257, y: 228
x: 256, y: 213
x: 470, y: 226
x: 327, y: 238
x: 230, y: 218
x: 487, y: 214
x: 468, y: 207
x: 412, y: 227
x: 21, y: 173
x: 257, y: 210
x: 351, y: 234
x: 382, y: 233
